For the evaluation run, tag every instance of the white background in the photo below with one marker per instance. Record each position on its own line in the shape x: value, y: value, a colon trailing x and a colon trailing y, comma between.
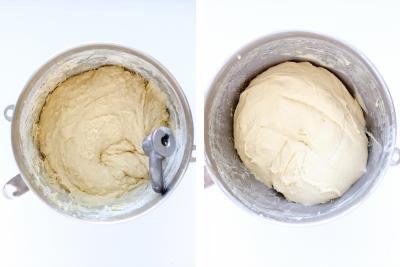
x: 31, y: 234
x: 370, y: 234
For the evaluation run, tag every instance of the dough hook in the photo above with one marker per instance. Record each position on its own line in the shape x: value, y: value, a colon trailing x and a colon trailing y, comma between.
x: 157, y: 146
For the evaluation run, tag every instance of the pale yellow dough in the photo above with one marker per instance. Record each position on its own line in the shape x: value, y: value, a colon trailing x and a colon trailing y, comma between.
x: 91, y: 130
x: 299, y: 130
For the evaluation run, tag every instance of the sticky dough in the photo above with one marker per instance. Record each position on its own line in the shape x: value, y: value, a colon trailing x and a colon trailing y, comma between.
x: 91, y: 129
x: 298, y: 130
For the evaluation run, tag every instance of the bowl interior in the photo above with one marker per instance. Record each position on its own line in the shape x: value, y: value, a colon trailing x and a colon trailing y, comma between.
x: 356, y: 73
x: 32, y: 99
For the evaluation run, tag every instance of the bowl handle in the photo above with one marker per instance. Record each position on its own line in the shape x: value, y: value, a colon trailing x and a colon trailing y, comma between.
x: 8, y: 112
x: 15, y: 187
x: 395, y: 160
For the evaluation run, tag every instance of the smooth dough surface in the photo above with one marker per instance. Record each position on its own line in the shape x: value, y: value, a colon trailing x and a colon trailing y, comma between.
x: 298, y: 130
x: 91, y: 130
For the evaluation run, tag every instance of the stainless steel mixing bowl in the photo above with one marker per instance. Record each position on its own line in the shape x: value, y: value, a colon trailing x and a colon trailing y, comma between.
x: 357, y: 73
x: 33, y: 175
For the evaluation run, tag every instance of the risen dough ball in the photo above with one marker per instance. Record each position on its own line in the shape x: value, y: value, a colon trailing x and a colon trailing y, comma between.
x: 299, y: 130
x: 91, y: 130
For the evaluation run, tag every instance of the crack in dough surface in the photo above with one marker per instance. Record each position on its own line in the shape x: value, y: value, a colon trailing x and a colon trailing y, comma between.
x: 91, y: 129
x: 298, y: 130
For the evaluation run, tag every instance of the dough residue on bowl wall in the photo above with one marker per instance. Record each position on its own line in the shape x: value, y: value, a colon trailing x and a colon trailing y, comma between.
x: 91, y: 128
